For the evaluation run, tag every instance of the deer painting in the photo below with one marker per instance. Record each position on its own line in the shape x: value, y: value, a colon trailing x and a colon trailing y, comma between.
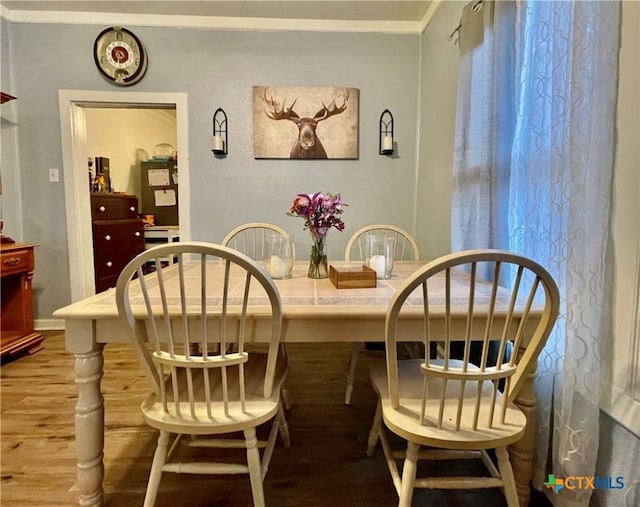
x: 307, y: 145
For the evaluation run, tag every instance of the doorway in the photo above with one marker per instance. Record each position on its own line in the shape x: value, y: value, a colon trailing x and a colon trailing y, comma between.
x: 125, y: 138
x: 73, y: 127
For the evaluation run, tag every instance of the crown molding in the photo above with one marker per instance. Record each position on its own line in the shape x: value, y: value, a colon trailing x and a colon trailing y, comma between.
x: 428, y: 16
x: 215, y: 22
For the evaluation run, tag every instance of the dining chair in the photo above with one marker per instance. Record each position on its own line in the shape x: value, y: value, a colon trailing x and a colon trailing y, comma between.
x: 249, y: 238
x: 405, y: 248
x: 456, y: 408
x: 197, y: 394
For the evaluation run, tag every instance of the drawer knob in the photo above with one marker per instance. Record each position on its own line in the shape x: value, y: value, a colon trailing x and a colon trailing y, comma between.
x: 109, y: 264
x: 102, y: 208
x: 108, y: 237
x: 137, y: 233
x: 12, y: 261
x: 132, y: 208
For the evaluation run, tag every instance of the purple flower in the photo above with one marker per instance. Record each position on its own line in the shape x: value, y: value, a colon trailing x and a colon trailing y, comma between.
x: 319, y: 211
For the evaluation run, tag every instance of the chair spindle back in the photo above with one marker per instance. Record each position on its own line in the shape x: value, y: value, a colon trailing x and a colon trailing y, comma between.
x: 481, y: 366
x: 405, y: 246
x: 250, y: 238
x: 174, y: 335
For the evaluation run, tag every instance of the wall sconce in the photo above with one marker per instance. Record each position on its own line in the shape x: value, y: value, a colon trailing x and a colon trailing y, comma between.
x: 220, y: 139
x: 385, y: 144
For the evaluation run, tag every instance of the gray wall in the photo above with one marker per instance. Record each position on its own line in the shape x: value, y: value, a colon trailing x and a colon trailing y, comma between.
x: 439, y: 76
x: 619, y: 455
x: 10, y: 203
x: 218, y: 69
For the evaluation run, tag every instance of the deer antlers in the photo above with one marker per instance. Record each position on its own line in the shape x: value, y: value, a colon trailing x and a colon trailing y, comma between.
x: 279, y: 113
x: 332, y: 110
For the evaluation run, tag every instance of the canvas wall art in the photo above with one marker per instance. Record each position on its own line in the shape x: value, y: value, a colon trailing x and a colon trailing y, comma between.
x: 305, y: 122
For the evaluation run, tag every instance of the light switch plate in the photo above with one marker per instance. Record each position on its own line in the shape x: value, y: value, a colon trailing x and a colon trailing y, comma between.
x: 54, y: 175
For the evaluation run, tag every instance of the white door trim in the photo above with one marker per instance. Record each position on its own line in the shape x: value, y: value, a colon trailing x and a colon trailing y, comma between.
x: 74, y: 169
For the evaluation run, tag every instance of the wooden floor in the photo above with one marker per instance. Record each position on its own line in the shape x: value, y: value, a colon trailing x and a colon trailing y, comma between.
x: 326, y: 465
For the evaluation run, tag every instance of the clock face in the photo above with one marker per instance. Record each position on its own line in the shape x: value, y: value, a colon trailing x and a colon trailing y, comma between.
x: 120, y: 56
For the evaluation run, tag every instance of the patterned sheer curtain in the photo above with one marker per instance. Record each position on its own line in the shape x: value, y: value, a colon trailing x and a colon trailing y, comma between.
x: 558, y: 199
x: 560, y: 192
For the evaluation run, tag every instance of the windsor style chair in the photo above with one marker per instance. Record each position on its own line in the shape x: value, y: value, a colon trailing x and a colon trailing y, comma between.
x: 197, y: 394
x: 453, y: 406
x: 250, y: 238
x: 405, y: 248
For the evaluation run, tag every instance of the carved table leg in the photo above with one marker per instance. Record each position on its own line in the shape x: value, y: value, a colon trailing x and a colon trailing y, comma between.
x: 89, y: 412
x: 522, y: 452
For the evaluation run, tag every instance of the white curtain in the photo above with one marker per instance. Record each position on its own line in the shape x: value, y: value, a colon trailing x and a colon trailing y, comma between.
x: 560, y: 192
x: 558, y: 198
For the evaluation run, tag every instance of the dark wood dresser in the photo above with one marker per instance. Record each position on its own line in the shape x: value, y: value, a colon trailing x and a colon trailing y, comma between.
x: 16, y: 270
x: 118, y: 236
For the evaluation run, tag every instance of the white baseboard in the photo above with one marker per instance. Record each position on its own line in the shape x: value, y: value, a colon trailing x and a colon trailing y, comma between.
x: 48, y: 325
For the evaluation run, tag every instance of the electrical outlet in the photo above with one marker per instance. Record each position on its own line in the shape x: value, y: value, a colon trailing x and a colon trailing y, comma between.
x: 54, y: 175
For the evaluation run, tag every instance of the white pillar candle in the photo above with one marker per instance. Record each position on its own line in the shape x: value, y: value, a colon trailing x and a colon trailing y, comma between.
x: 387, y: 143
x: 377, y: 262
x: 218, y: 143
x: 278, y: 268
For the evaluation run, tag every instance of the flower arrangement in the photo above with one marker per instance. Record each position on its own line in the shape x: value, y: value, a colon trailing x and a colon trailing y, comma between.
x: 320, y: 213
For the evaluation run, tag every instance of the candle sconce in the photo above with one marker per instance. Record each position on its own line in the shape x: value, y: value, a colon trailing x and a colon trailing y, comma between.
x: 385, y: 142
x: 220, y: 139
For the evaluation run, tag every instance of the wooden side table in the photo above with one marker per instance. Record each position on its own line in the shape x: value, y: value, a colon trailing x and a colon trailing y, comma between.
x: 16, y: 272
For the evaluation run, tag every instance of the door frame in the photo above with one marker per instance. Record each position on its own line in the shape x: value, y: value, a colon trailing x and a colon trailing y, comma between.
x: 72, y: 104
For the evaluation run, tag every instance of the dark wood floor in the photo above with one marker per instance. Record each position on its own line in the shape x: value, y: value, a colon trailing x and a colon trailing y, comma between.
x: 326, y: 465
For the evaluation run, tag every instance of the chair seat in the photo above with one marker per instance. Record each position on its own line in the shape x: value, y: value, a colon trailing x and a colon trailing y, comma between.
x: 258, y: 409
x: 405, y: 421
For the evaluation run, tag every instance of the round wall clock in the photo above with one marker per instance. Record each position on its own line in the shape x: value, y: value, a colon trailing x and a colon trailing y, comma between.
x: 120, y: 56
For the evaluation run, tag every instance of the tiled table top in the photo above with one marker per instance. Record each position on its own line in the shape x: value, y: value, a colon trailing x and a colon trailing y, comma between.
x: 301, y: 296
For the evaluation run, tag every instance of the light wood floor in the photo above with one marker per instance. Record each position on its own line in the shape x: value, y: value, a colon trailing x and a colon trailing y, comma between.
x: 326, y: 465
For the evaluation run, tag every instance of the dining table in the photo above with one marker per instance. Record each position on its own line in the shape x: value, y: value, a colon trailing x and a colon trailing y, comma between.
x: 314, y: 311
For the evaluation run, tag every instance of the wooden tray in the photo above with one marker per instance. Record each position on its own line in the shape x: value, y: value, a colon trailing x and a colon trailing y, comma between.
x: 352, y: 276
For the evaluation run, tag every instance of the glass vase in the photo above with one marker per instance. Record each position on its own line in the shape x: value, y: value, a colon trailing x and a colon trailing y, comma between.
x: 318, y: 266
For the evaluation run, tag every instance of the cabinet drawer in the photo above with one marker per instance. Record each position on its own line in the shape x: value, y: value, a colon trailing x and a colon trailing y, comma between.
x: 117, y: 242
x: 17, y: 261
x: 113, y: 206
x: 111, y: 266
x: 117, y: 234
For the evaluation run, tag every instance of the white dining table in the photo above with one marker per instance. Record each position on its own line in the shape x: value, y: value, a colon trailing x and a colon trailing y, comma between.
x: 314, y: 311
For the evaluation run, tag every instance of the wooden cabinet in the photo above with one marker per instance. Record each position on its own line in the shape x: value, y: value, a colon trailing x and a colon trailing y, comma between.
x: 16, y: 269
x: 118, y: 236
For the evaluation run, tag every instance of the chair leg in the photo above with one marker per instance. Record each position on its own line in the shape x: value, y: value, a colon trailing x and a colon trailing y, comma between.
x: 351, y: 372
x: 159, y: 459
x: 284, y: 390
x: 284, y: 427
x: 284, y: 394
x: 409, y: 474
x: 255, y: 470
x: 374, y: 434
x: 506, y: 472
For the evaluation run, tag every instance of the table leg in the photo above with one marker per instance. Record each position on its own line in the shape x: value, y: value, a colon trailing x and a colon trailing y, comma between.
x: 89, y: 412
x: 522, y: 452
